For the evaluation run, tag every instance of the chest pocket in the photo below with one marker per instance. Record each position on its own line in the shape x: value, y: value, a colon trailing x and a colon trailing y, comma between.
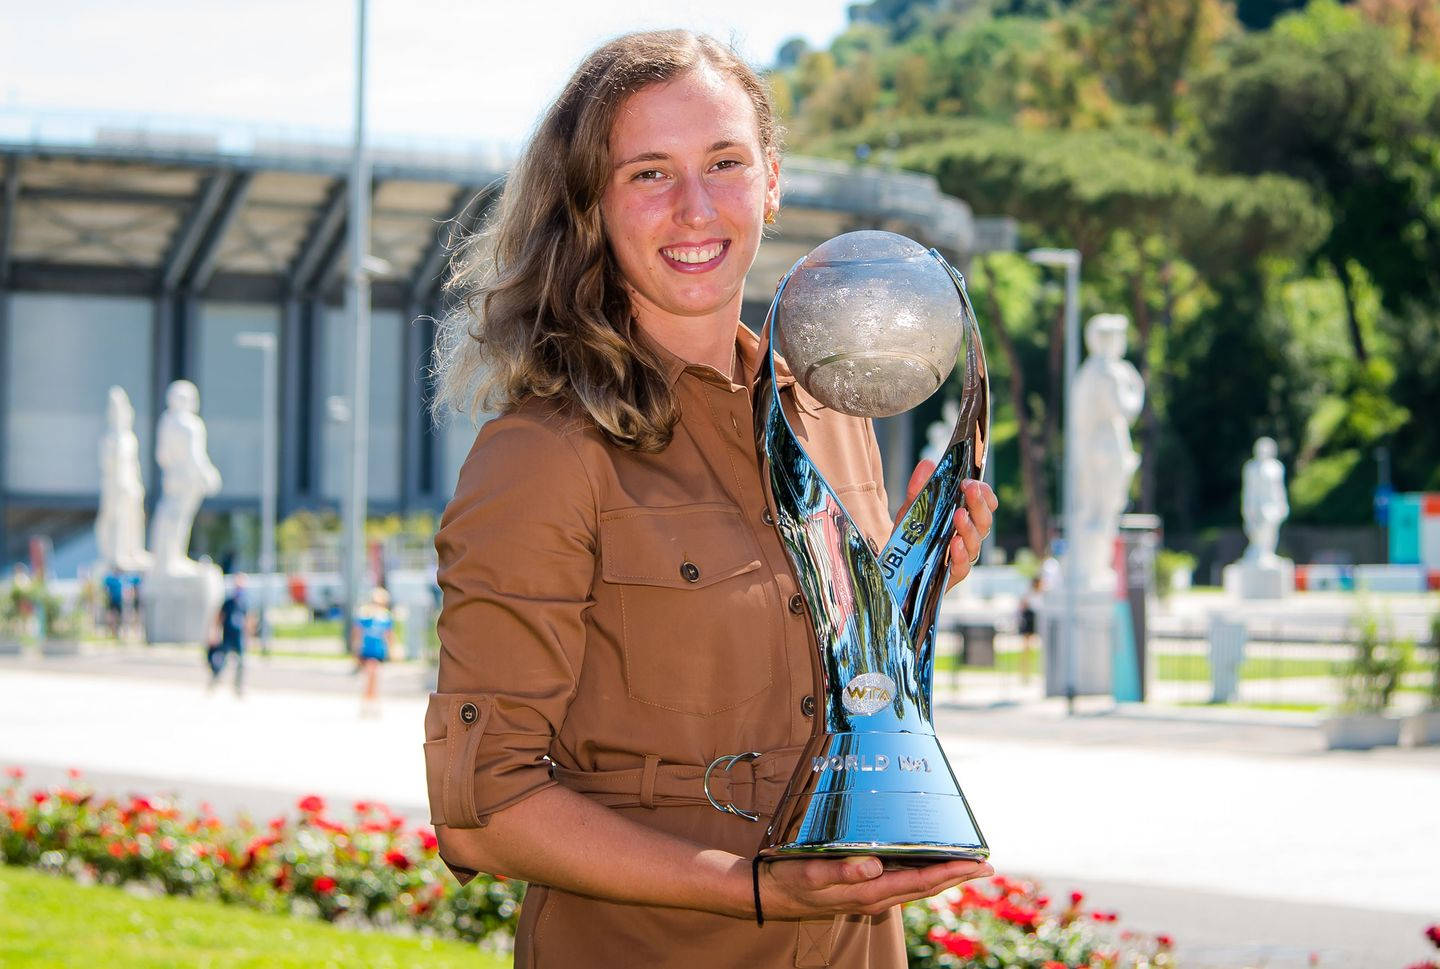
x: 697, y: 623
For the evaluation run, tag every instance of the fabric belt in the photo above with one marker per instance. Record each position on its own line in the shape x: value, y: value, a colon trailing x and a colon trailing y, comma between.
x: 753, y: 784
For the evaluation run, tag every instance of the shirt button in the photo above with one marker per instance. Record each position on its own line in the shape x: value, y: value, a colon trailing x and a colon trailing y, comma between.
x: 468, y: 713
x: 807, y: 706
x: 797, y: 604
x: 690, y: 572
x: 874, y: 547
x: 766, y: 517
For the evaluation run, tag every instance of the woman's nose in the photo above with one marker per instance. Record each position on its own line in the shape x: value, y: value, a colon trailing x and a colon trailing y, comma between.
x: 695, y: 206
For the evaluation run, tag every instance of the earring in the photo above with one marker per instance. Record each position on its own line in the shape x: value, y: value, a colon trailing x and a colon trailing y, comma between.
x: 769, y: 217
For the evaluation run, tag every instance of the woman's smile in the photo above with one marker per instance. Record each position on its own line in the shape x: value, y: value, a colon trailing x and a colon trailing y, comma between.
x: 696, y: 258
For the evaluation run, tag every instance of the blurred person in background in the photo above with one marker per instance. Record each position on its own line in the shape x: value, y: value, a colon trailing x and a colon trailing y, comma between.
x: 372, y: 635
x: 234, y: 625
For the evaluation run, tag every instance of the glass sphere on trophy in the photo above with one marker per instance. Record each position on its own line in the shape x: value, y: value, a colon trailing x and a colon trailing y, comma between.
x: 872, y: 323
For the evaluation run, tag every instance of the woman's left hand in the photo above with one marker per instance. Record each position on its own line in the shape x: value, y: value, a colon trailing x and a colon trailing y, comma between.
x: 973, y: 518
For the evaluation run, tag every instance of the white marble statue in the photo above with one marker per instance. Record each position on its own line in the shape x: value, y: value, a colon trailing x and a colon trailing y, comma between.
x: 120, y: 524
x: 1264, y: 506
x: 180, y: 596
x: 186, y: 478
x: 1105, y: 399
x: 1263, y: 502
x: 939, y: 433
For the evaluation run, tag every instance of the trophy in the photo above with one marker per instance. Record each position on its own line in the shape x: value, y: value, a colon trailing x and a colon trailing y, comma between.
x: 871, y: 323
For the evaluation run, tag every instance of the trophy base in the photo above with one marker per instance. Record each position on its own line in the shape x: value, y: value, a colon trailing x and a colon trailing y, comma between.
x: 890, y: 795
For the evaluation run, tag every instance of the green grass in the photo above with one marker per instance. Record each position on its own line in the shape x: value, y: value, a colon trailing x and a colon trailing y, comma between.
x: 1195, y: 668
x: 1287, y: 707
x: 48, y: 922
x: 317, y: 629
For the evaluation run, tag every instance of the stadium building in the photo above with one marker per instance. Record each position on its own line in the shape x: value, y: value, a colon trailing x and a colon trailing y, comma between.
x: 133, y: 255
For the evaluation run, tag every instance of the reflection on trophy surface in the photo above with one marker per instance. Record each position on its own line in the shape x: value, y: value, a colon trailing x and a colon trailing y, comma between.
x: 871, y: 323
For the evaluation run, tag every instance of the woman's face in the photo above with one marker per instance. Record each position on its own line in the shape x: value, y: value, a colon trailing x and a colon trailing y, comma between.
x: 688, y: 192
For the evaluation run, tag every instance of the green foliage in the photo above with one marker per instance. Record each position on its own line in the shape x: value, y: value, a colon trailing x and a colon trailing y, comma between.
x: 1433, y: 697
x: 1264, y: 203
x: 1370, y: 678
x: 1168, y: 564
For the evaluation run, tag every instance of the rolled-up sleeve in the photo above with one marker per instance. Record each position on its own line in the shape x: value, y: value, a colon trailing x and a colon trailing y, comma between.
x: 516, y: 552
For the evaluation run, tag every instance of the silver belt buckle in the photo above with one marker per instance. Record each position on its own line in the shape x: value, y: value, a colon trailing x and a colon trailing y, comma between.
x: 725, y: 762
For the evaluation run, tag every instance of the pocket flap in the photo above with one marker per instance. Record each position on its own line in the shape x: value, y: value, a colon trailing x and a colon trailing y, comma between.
x: 676, y: 548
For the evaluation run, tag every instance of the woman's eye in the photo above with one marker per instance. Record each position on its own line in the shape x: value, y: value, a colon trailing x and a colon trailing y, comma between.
x: 649, y: 175
x: 728, y: 163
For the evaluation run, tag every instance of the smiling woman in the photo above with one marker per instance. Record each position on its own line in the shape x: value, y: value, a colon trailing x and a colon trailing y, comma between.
x: 547, y: 311
x: 627, y: 672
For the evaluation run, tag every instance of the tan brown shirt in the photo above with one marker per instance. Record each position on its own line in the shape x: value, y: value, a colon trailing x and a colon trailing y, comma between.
x: 614, y: 621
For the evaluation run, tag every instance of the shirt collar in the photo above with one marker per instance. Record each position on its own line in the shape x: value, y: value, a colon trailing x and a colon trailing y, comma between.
x: 747, y: 346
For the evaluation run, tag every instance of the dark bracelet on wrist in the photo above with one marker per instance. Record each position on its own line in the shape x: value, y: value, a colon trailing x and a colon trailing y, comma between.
x: 755, y: 880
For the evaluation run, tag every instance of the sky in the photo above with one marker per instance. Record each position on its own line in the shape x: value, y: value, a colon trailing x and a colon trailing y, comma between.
x: 472, y: 70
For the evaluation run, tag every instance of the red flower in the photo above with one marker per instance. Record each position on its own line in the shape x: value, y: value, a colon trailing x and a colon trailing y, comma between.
x: 277, y: 824
x: 1165, y: 941
x: 397, y: 859
x: 1104, y: 916
x: 312, y: 804
x: 1433, y: 934
x: 1076, y: 898
x: 325, y: 884
x: 39, y: 797
x: 1052, y: 964
x: 116, y: 849
x: 167, y: 843
x: 428, y: 841
x: 1019, y: 915
x: 962, y: 946
x: 15, y: 773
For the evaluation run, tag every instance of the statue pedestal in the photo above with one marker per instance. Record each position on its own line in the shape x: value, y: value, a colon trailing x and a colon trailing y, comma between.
x: 1268, y: 578
x: 1092, y: 670
x: 182, y: 608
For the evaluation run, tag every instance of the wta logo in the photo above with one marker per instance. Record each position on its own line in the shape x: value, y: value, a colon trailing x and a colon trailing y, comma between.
x: 868, y: 693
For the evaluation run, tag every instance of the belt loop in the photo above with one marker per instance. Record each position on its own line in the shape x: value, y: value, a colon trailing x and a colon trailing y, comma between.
x: 647, y: 781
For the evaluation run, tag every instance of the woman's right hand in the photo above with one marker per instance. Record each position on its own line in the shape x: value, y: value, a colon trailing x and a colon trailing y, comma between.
x: 815, y: 888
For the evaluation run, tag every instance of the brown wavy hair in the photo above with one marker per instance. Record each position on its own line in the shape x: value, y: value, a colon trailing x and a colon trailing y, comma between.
x: 540, y: 306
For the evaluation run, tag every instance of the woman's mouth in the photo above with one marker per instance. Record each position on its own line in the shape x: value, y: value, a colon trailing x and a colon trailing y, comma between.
x: 695, y: 259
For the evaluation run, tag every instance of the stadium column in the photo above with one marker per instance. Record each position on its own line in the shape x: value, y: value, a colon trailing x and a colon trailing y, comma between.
x: 11, y: 193
x: 417, y: 439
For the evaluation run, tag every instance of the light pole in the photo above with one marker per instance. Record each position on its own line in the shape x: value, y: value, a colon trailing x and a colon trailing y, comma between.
x: 358, y: 297
x: 269, y: 433
x: 1069, y: 259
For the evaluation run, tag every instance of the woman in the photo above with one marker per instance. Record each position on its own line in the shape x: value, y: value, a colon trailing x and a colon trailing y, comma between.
x: 618, y: 610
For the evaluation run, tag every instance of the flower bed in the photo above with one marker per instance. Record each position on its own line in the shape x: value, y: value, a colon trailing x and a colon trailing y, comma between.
x: 372, y: 869
x: 1006, y: 923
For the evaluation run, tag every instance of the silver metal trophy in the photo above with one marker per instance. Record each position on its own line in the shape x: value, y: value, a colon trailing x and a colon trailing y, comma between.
x: 871, y: 323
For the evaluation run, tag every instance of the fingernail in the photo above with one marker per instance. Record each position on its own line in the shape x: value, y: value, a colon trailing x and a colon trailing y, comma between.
x: 870, y: 868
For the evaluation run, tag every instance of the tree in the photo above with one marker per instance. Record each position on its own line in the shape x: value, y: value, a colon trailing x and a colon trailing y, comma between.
x: 1325, y: 98
x: 1146, y: 48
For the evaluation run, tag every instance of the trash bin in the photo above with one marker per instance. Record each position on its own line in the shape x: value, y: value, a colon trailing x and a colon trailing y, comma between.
x: 978, y: 647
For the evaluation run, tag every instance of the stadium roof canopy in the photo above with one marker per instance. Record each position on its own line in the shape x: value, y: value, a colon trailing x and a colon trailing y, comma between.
x: 106, y: 206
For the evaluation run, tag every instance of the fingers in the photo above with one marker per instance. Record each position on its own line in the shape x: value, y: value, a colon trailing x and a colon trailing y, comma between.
x: 918, y: 477
x: 898, y: 887
x: 972, y: 523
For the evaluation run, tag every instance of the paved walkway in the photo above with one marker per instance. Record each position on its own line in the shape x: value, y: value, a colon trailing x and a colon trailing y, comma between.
x: 1243, y: 840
